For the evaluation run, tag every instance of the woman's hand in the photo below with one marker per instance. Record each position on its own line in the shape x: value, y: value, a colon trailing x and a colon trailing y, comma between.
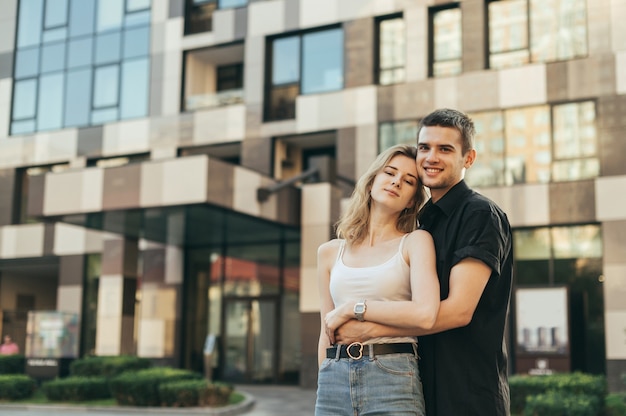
x: 337, y: 317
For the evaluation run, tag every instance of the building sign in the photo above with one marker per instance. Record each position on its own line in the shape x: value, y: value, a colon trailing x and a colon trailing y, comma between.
x: 542, y: 330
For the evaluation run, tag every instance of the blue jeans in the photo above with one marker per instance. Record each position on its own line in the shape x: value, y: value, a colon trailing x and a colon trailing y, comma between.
x: 384, y: 385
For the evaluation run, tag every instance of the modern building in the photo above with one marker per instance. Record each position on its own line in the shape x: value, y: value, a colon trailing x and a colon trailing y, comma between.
x: 169, y: 167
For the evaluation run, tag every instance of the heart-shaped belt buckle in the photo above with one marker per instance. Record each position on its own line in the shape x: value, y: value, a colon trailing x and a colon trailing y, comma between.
x: 359, y: 353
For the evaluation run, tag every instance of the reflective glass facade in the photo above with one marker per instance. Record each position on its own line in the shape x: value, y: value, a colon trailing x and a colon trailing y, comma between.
x: 80, y: 63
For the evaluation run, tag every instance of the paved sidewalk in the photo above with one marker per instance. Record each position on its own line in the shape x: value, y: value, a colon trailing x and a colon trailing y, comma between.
x: 261, y: 400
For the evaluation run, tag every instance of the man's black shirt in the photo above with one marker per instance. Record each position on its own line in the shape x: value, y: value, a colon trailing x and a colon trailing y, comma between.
x: 464, y: 370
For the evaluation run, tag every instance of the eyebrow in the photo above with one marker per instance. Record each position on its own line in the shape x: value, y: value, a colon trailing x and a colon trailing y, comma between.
x: 395, y: 168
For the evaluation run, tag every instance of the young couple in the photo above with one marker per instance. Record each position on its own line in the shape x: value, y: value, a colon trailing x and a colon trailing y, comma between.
x: 383, y: 284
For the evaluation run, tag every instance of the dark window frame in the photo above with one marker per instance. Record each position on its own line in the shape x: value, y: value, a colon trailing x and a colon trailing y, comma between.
x: 377, y: 22
x: 432, y: 11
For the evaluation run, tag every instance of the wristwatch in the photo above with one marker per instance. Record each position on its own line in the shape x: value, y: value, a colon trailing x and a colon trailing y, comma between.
x: 359, y: 309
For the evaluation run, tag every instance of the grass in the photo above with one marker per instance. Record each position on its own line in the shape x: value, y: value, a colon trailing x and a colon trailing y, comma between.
x: 40, y: 398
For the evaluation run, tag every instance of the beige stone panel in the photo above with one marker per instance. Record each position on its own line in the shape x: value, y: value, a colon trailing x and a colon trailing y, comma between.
x: 68, y: 240
x: 309, y: 290
x: 318, y: 13
x: 245, y: 184
x: 478, y: 91
x: 266, y: 18
x: 365, y: 99
x: 614, y: 241
x: 70, y: 298
x: 148, y: 307
x: 525, y: 205
x: 174, y: 30
x: 278, y: 128
x: 110, y: 292
x: 108, y: 335
x: 615, y: 334
x: 174, y: 260
x: 522, y: 86
x: 6, y: 88
x: 151, y: 338
x: 55, y: 146
x: 126, y: 137
x: 151, y: 189
x: 157, y: 38
x: 416, y: 19
x: 184, y: 180
x: 599, y: 26
x: 171, y: 84
x: 446, y: 93
x: 91, y: 190
x: 614, y: 286
x: 159, y: 12
x: 620, y: 72
x: 618, y: 17
x: 224, y: 25
x: 366, y: 148
x: 220, y: 124
x: 592, y: 76
x: 8, y: 22
x: 11, y: 153
x: 254, y: 70
x: 62, y: 193
x: 21, y: 241
x: 611, y: 203
x: 312, y: 237
x: 197, y: 40
x: 316, y: 204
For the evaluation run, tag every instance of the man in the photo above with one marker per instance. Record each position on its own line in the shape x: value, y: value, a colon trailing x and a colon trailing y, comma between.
x: 8, y: 347
x: 463, y: 361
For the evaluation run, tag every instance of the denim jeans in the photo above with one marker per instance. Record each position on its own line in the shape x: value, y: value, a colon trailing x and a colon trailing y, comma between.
x: 384, y: 385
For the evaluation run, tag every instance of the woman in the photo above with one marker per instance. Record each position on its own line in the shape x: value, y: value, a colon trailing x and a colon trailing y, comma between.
x: 382, y: 270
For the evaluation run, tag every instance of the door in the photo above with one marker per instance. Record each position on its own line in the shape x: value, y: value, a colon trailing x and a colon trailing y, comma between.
x: 250, y: 340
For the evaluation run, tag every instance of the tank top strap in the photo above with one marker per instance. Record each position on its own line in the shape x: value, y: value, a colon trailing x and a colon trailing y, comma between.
x: 342, y: 245
x: 402, y: 243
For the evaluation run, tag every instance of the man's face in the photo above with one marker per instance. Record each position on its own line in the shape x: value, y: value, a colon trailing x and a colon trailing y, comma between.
x: 440, y: 160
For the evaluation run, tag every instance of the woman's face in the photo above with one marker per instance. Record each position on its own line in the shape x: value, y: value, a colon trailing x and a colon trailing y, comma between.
x: 396, y: 184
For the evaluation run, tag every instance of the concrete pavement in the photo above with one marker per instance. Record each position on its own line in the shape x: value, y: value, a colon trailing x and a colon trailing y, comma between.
x: 261, y: 400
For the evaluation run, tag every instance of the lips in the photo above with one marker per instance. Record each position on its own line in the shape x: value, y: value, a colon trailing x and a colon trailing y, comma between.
x: 392, y: 192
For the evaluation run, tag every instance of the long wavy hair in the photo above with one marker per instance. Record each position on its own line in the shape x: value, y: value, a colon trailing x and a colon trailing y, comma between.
x: 353, y: 225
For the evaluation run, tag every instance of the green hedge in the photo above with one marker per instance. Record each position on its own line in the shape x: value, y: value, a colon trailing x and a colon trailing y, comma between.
x: 141, y: 388
x: 107, y: 366
x: 16, y: 386
x: 524, y: 386
x: 76, y: 389
x: 615, y: 404
x: 191, y: 393
x: 12, y: 364
x: 566, y: 404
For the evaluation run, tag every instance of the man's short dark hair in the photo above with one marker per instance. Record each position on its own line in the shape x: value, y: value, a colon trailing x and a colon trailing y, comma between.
x: 448, y: 117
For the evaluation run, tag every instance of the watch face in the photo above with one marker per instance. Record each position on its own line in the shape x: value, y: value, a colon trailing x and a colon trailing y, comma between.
x: 359, y: 308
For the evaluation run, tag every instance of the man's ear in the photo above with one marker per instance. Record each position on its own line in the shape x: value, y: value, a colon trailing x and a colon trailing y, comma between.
x: 470, y: 158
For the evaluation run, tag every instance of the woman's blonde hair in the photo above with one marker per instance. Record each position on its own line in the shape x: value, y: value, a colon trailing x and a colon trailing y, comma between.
x: 354, y: 222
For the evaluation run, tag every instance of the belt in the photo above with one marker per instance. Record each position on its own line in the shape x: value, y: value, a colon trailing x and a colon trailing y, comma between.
x: 357, y: 350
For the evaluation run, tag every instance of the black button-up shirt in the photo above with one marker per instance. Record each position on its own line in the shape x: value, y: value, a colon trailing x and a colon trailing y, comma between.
x: 464, y: 370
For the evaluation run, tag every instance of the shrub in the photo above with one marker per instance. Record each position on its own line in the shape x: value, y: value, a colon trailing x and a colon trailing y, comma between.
x: 12, y: 364
x: 141, y: 388
x: 556, y: 403
x: 615, y: 404
x: 76, y: 389
x: 107, y: 366
x: 188, y: 393
x: 524, y: 386
x: 16, y: 386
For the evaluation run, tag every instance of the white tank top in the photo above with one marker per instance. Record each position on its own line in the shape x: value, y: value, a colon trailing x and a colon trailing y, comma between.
x: 387, y: 281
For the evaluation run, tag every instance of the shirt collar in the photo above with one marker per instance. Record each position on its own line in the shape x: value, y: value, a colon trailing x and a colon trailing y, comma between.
x: 452, y: 199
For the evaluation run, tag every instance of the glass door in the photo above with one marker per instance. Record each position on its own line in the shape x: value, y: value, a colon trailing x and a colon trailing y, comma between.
x: 250, y: 340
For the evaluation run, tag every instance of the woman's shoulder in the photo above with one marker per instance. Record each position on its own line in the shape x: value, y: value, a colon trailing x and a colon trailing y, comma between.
x: 330, y: 246
x: 418, y: 238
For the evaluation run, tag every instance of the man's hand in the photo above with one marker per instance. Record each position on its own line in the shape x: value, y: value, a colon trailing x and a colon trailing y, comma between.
x: 353, y: 331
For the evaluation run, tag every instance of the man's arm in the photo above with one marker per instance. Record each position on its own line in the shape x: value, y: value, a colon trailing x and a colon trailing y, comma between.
x: 468, y: 279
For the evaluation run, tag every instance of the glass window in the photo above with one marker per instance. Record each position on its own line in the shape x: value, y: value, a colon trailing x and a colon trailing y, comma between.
x: 50, y: 101
x: 137, y: 18
x: 26, y: 62
x: 110, y: 15
x: 24, y: 99
x: 508, y: 33
x: 53, y: 57
x: 56, y: 13
x: 104, y: 115
x: 134, y: 5
x: 199, y: 16
x: 82, y: 14
x: 391, y: 51
x: 80, y: 52
x: 227, y: 4
x: 78, y: 97
x: 397, y: 132
x: 286, y: 60
x: 134, y: 91
x: 229, y: 77
x: 106, y: 85
x: 488, y: 169
x: 136, y: 42
x: 108, y: 47
x: 322, y: 61
x: 446, y: 38
x: 29, y: 34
